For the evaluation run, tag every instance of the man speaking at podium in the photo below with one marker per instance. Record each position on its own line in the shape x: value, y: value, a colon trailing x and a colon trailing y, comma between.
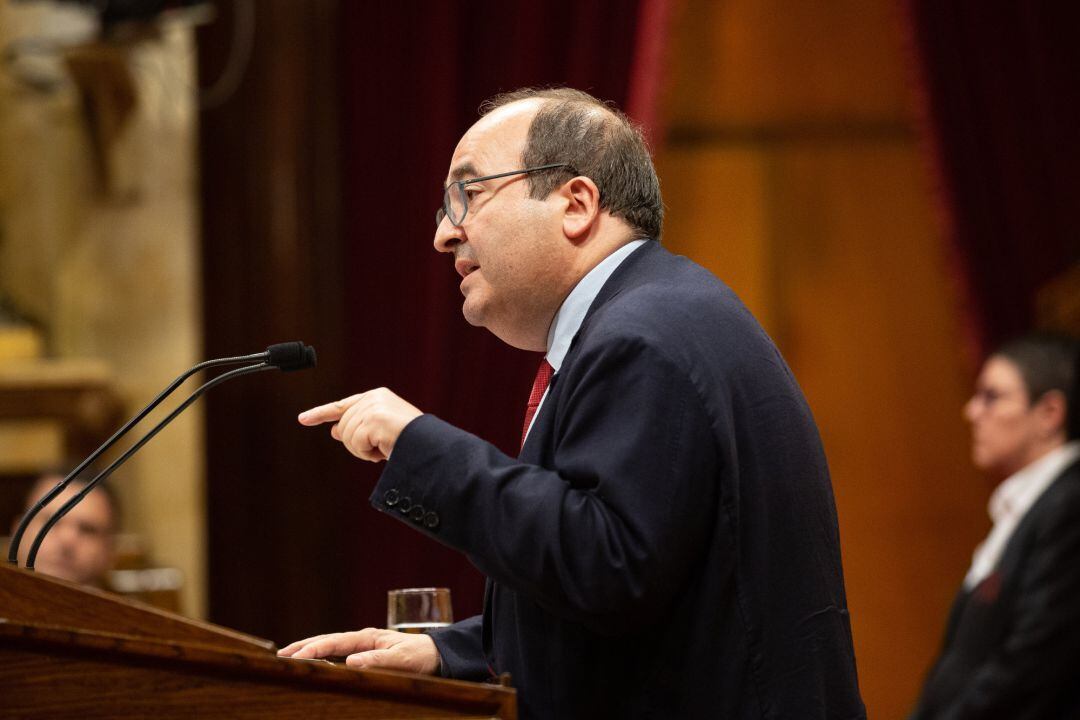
x: 666, y: 543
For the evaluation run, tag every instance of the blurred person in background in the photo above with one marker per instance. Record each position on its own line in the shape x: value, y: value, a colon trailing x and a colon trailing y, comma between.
x: 81, y: 547
x: 1012, y: 640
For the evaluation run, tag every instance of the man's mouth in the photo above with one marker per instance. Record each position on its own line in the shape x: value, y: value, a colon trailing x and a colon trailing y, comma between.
x: 464, y: 266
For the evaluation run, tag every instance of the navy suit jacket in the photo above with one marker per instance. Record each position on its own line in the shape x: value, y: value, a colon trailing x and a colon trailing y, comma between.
x: 1012, y: 644
x: 666, y: 543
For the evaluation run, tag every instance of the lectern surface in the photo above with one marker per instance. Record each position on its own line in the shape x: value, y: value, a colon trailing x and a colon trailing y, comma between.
x: 69, y: 652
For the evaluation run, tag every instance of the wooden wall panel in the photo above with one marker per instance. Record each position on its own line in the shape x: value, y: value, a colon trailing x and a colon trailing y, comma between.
x: 868, y: 326
x: 716, y: 211
x: 782, y: 61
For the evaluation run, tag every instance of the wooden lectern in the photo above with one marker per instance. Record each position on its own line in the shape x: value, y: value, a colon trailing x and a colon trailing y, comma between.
x: 72, y: 652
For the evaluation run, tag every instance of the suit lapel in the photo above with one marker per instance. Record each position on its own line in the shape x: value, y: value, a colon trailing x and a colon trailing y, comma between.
x: 539, y: 446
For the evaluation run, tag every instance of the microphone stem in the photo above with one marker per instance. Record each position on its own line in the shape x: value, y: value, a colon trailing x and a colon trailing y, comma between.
x: 16, y: 538
x: 66, y: 507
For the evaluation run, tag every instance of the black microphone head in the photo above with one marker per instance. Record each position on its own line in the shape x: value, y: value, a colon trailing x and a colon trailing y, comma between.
x: 291, y: 356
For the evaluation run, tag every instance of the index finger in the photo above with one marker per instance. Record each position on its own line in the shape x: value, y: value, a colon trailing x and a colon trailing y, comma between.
x: 330, y: 412
x: 291, y: 649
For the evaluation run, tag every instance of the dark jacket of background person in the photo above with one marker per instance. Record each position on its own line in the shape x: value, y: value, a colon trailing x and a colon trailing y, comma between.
x: 666, y: 545
x: 1012, y: 643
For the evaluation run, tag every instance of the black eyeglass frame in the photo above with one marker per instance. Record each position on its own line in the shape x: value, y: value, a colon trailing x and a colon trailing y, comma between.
x: 444, y: 211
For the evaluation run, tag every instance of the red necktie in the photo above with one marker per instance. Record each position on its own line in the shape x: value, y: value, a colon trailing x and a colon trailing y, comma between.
x: 543, y: 377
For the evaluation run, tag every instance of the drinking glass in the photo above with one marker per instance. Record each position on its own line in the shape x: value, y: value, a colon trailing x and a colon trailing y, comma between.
x: 414, y: 610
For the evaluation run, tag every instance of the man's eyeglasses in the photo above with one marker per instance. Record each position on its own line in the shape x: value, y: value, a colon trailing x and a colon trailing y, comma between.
x: 987, y: 396
x: 455, y: 202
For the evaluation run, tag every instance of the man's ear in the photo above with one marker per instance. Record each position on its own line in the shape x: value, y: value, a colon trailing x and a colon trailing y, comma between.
x: 1051, y: 408
x: 582, y: 207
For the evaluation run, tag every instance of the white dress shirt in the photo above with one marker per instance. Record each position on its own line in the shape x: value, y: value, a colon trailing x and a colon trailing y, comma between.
x: 1010, y: 503
x: 572, y: 312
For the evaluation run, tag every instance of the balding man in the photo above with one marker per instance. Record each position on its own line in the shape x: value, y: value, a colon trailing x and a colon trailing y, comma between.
x: 81, y: 546
x: 666, y: 544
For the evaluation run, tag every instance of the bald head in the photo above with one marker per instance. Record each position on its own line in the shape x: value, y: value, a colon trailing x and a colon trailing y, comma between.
x: 495, y: 142
x: 596, y: 141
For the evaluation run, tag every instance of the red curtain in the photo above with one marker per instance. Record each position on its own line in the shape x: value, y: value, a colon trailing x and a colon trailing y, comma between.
x: 1001, y: 80
x: 320, y: 179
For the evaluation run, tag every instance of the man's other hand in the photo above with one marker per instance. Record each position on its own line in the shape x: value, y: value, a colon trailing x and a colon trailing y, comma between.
x: 371, y: 648
x: 367, y: 424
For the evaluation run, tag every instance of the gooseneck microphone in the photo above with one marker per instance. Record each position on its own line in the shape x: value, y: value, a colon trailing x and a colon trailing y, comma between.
x: 287, y: 357
x: 290, y: 356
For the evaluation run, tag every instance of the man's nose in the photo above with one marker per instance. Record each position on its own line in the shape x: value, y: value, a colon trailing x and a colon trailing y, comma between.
x: 448, y: 235
x: 971, y: 408
x: 65, y: 536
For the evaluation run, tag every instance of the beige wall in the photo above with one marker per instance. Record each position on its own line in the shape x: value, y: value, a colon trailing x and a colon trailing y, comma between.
x: 794, y: 172
x: 110, y: 264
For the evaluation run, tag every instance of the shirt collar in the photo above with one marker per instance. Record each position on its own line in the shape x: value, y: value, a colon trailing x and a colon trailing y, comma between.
x: 1015, y: 495
x: 572, y: 312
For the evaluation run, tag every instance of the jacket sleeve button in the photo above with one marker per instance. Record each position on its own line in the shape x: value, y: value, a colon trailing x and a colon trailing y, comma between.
x: 431, y: 520
x: 391, y: 497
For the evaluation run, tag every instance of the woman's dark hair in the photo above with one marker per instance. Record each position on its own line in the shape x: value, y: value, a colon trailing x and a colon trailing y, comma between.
x: 1048, y: 361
